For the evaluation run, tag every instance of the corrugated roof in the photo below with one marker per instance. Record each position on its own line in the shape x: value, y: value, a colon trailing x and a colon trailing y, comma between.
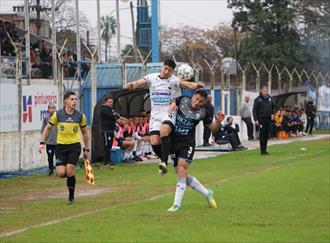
x: 107, y: 76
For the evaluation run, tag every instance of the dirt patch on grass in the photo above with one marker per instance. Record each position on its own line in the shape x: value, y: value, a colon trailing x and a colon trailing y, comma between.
x: 58, y: 193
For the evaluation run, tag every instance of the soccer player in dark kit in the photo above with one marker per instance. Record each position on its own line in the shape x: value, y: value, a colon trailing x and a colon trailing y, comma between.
x: 189, y: 113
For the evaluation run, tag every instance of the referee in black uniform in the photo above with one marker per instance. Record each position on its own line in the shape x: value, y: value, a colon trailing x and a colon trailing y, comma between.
x: 108, y: 123
x: 263, y: 110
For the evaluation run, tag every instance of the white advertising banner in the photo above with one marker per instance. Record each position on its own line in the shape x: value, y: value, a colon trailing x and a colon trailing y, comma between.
x: 323, y: 98
x: 8, y: 107
x: 35, y: 100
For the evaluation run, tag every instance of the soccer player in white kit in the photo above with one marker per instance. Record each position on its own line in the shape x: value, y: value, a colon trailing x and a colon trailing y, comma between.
x: 164, y: 88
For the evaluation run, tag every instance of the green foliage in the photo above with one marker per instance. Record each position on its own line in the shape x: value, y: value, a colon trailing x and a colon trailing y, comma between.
x: 108, y: 26
x: 273, y: 35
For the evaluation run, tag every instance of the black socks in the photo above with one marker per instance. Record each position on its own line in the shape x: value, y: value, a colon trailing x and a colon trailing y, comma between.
x: 165, y: 148
x: 71, y: 183
x: 157, y: 149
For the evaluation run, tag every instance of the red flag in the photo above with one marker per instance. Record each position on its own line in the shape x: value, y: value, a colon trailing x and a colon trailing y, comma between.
x: 89, y: 172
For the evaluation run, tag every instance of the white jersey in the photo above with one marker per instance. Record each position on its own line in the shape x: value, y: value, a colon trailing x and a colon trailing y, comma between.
x: 162, y: 91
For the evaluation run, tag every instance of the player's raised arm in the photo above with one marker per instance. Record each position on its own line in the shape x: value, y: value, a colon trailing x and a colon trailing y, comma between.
x: 215, y: 125
x: 190, y: 85
x: 136, y: 84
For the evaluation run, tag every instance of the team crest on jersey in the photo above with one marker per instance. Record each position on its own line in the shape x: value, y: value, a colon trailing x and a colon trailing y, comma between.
x: 75, y: 129
x: 62, y: 128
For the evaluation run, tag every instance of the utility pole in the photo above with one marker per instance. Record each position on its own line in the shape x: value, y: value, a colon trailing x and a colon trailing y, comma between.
x: 54, y: 50
x: 27, y: 39
x: 118, y: 31
x: 133, y: 32
x: 78, y: 40
x: 98, y: 31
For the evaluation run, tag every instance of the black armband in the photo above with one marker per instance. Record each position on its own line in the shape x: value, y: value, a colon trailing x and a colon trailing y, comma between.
x: 85, y: 150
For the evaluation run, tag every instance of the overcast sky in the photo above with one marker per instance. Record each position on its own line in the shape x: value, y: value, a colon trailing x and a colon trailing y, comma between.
x: 199, y: 13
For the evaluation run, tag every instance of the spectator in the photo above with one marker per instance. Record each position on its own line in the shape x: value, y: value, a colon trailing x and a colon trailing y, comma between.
x: 247, y: 117
x: 303, y: 119
x: 278, y: 122
x: 310, y: 109
x: 108, y: 124
x: 233, y: 129
x: 52, y: 138
x: 222, y: 137
x: 207, y: 131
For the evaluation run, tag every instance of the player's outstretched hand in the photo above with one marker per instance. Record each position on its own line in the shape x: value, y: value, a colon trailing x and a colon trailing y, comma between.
x: 220, y: 116
x: 130, y: 86
x: 199, y: 85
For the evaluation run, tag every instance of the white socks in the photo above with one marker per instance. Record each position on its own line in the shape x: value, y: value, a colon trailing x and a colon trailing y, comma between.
x: 196, y: 185
x: 180, y: 188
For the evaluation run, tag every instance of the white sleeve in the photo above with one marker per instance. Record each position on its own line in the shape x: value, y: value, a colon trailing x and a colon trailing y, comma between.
x: 148, y: 78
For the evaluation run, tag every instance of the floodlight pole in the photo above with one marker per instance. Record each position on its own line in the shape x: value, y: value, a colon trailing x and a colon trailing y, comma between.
x: 78, y: 40
x: 27, y: 39
x: 54, y: 48
x: 60, y: 81
x: 94, y: 79
x: 18, y: 48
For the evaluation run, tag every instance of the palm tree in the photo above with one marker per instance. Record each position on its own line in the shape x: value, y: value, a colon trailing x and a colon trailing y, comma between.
x: 108, y: 26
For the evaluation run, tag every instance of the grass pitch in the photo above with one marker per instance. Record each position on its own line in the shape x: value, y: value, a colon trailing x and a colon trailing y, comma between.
x: 283, y: 197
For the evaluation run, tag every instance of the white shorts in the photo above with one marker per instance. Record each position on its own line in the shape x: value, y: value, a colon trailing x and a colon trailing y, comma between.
x: 157, y: 118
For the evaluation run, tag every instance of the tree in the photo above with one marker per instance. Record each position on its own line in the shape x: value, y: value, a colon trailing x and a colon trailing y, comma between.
x: 195, y: 45
x: 272, y: 34
x: 313, y: 19
x: 108, y: 26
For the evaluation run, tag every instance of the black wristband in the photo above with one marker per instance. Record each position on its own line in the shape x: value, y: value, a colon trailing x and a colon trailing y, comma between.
x: 85, y: 150
x: 42, y: 143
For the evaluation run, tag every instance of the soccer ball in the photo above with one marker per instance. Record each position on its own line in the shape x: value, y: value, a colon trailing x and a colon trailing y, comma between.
x: 185, y: 71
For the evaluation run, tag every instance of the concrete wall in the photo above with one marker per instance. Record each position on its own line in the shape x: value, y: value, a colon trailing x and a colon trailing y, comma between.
x: 9, y: 151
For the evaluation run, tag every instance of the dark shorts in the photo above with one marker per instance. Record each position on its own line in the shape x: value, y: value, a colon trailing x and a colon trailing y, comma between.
x: 182, y: 150
x: 67, y: 154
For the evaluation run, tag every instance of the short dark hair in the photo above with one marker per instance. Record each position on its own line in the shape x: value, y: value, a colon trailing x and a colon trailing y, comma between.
x: 201, y: 93
x: 229, y: 118
x: 68, y: 94
x: 170, y: 62
x: 108, y: 98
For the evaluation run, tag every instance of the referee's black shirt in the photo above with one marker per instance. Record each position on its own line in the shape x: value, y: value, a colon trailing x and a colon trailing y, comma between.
x: 108, y: 118
x: 263, y: 108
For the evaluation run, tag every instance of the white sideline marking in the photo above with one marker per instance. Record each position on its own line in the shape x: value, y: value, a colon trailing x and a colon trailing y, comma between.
x: 6, y: 234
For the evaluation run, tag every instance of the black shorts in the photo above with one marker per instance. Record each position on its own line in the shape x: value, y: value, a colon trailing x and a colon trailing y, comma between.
x: 182, y: 150
x: 67, y: 154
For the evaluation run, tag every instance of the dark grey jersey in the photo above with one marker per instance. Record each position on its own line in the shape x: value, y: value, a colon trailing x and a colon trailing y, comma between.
x: 188, y: 118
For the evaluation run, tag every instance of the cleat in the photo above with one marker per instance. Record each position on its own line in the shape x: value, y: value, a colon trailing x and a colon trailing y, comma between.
x: 70, y: 201
x: 210, y: 200
x: 174, y: 208
x: 163, y: 167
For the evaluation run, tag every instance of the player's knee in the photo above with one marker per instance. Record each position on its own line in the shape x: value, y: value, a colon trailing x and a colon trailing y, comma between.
x: 165, y: 130
x: 61, y: 174
x: 181, y: 170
